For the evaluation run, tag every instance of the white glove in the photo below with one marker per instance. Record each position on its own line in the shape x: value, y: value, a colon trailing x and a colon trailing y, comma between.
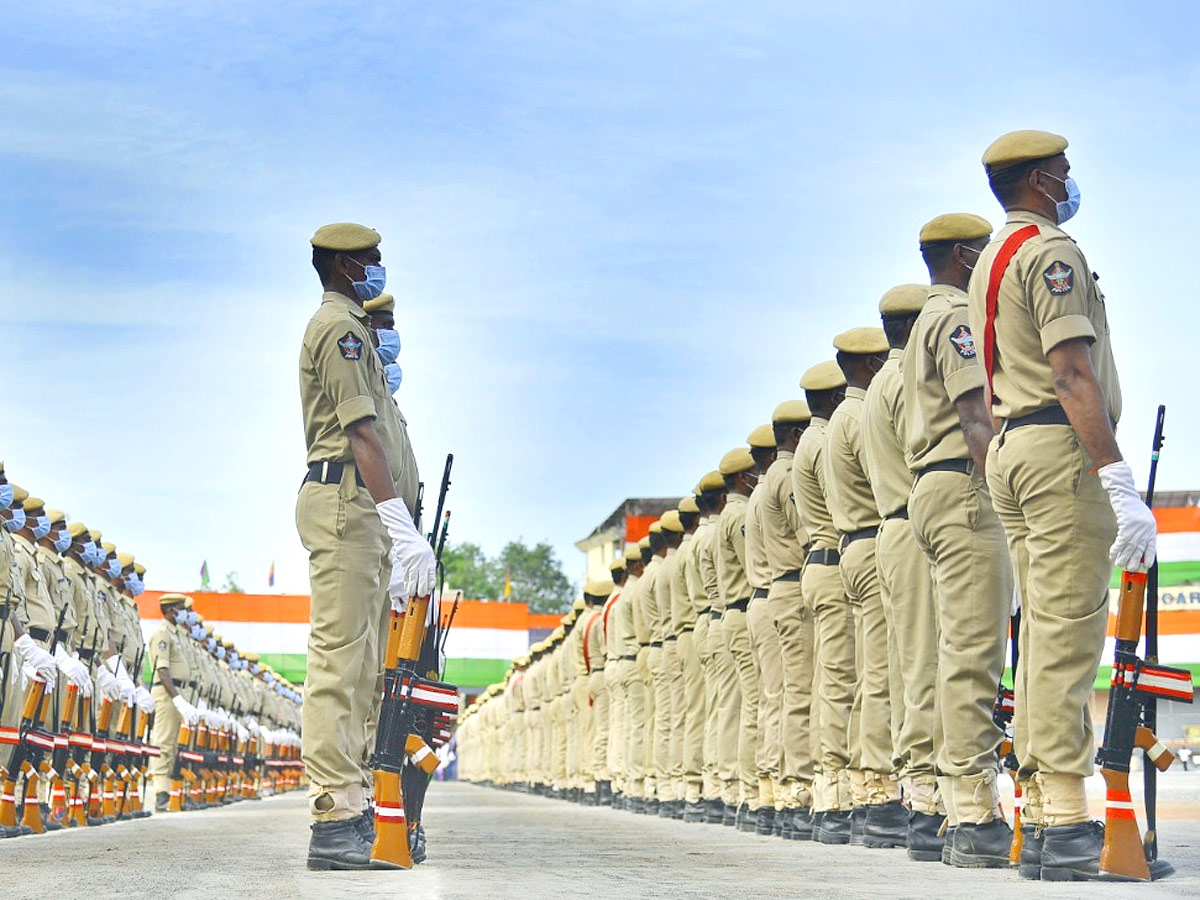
x: 107, y: 683
x: 144, y: 701
x: 414, y: 568
x: 73, y: 670
x: 124, y: 682
x: 1137, y: 532
x: 35, y: 663
x: 190, y: 714
x: 243, y: 734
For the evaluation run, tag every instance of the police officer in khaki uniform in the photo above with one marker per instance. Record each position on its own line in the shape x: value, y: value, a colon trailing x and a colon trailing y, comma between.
x: 784, y: 541
x: 685, y: 592
x: 670, y: 703
x: 171, y: 666
x: 905, y: 580
x: 861, y: 352
x: 1065, y: 495
x: 715, y: 664
x: 948, y: 427
x: 596, y: 594
x: 623, y: 665
x: 834, y: 679
x: 355, y: 517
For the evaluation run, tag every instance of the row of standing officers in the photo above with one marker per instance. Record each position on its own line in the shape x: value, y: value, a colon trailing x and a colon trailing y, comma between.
x: 812, y: 644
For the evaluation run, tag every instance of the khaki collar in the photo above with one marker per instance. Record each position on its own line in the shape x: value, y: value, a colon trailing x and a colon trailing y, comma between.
x: 342, y: 300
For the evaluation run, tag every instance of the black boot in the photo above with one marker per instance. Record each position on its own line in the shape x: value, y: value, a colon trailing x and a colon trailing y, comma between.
x: 161, y: 799
x: 731, y: 814
x: 416, y: 845
x: 714, y: 812
x: 666, y: 809
x: 338, y: 845
x: 1032, y: 839
x: 634, y: 805
x: 858, y: 820
x: 982, y: 846
x: 765, y: 824
x: 650, y: 806
x: 604, y: 793
x: 1072, y: 852
x: 779, y: 820
x: 948, y: 845
x: 366, y: 824
x: 802, y: 824
x: 783, y: 820
x: 923, y: 841
x: 693, y: 812
x: 817, y: 819
x: 886, y: 825
x: 834, y: 827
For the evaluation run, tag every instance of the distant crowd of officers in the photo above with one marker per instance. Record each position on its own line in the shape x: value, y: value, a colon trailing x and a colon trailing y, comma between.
x: 79, y: 730
x: 812, y: 644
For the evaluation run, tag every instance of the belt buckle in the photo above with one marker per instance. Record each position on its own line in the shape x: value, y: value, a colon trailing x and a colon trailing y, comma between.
x: 325, y: 472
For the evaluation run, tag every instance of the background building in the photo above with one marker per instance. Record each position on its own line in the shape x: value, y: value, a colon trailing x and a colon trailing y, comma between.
x: 629, y: 522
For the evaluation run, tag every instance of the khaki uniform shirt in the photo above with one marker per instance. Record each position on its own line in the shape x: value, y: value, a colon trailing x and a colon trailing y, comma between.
x: 847, y: 487
x: 783, y: 533
x: 701, y: 541
x: 706, y: 561
x: 883, y: 436
x: 55, y: 578
x: 342, y: 382
x: 12, y: 585
x: 166, y: 652
x: 683, y: 616
x: 611, y: 629
x: 645, y: 613
x: 661, y: 629
x: 939, y: 367
x: 38, y: 610
x: 731, y: 551
x: 758, y: 567
x: 573, y: 645
x: 592, y: 626
x: 627, y: 640
x: 83, y: 602
x: 808, y: 486
x: 1048, y: 295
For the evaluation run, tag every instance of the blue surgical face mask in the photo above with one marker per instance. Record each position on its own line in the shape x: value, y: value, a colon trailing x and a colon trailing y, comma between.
x: 210, y: 642
x: 373, y: 283
x: 88, y: 552
x: 220, y: 653
x: 197, y: 632
x: 395, y: 375
x: 255, y: 668
x: 114, y: 567
x: 8, y: 495
x: 41, y: 526
x: 1065, y: 209
x: 389, y: 344
x: 17, y: 522
x: 62, y: 540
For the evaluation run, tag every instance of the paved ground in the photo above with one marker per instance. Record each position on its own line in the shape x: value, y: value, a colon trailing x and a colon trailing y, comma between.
x: 492, y: 844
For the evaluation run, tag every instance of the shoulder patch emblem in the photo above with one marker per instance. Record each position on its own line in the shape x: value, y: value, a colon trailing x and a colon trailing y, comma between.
x: 350, y: 346
x: 162, y: 645
x: 963, y: 342
x: 1060, y: 278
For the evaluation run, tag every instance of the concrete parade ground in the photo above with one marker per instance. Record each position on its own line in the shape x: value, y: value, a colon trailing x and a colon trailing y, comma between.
x: 491, y: 844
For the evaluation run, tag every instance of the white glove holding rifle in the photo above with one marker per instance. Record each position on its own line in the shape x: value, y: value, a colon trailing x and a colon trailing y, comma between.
x: 414, y: 568
x: 1137, y: 532
x: 144, y: 701
x: 107, y: 682
x: 73, y: 670
x: 124, y: 682
x: 35, y: 663
x: 190, y: 714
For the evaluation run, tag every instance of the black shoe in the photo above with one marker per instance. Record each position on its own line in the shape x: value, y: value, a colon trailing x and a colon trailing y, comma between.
x: 6, y: 832
x: 834, y: 828
x: 731, y: 814
x: 783, y: 823
x: 417, y: 847
x: 161, y: 799
x: 666, y: 809
x: 948, y: 845
x: 802, y: 824
x: 886, y: 825
x: 983, y: 846
x: 817, y: 818
x: 693, y: 813
x: 765, y: 824
x: 744, y: 815
x: 1072, y: 852
x: 604, y: 793
x: 714, y: 812
x: 923, y: 841
x: 677, y: 808
x: 1032, y: 840
x: 780, y: 818
x: 94, y: 821
x: 858, y: 820
x: 338, y: 845
x: 650, y: 806
x: 366, y: 824
x: 141, y: 814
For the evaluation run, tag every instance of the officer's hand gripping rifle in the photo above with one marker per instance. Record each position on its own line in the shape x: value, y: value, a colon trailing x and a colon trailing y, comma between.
x: 396, y: 741
x: 1135, y: 685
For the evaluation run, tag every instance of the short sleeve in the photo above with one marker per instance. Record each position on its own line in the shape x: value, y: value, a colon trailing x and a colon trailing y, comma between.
x: 955, y: 354
x: 1056, y: 282
x: 339, y: 355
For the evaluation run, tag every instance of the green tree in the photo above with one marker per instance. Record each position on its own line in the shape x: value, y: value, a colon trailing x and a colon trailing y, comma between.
x: 537, y: 577
x: 469, y: 570
x: 231, y: 585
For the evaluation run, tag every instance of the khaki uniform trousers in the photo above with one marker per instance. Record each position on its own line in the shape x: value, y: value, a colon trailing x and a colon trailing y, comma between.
x: 348, y: 570
x: 10, y: 715
x: 873, y: 688
x: 768, y: 661
x: 164, y: 736
x: 1060, y: 527
x: 906, y: 582
x: 638, y: 706
x: 564, y: 715
x: 598, y: 697
x: 726, y: 700
x: 672, y: 679
x: 835, y: 679
x: 702, y: 637
x: 580, y: 735
x: 658, y: 722
x: 737, y: 642
x: 957, y: 528
x: 616, y: 673
x: 692, y: 745
x: 794, y: 625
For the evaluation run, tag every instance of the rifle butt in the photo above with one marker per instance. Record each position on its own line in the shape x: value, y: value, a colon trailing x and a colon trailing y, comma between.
x: 1146, y: 740
x: 8, y: 801
x: 391, y: 829
x: 1018, y: 839
x: 1122, y: 855
x: 31, y: 814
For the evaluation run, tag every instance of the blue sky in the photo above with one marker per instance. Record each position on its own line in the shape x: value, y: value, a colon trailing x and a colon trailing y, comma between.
x: 618, y: 232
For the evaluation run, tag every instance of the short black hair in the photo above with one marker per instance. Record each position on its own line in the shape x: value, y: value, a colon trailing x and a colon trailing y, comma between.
x: 323, y: 262
x: 937, y: 254
x: 897, y: 328
x: 657, y: 541
x: 1006, y: 183
x: 707, y: 501
x: 782, y: 429
x: 688, y: 519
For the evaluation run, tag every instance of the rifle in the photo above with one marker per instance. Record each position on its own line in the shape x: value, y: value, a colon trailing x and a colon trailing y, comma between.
x: 398, y: 739
x: 1135, y: 685
x: 1002, y: 715
x: 80, y: 739
x: 186, y: 759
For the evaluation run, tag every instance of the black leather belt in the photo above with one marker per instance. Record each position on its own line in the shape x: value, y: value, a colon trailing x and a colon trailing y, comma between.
x: 654, y: 644
x: 39, y: 634
x: 685, y: 629
x: 330, y: 473
x: 901, y: 513
x: 759, y: 593
x: 790, y: 575
x: 630, y: 657
x: 86, y: 655
x: 714, y: 613
x: 668, y: 640
x: 704, y: 612
x: 739, y: 605
x: 859, y: 534
x: 962, y: 466
x: 1051, y: 415
x: 824, y: 558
